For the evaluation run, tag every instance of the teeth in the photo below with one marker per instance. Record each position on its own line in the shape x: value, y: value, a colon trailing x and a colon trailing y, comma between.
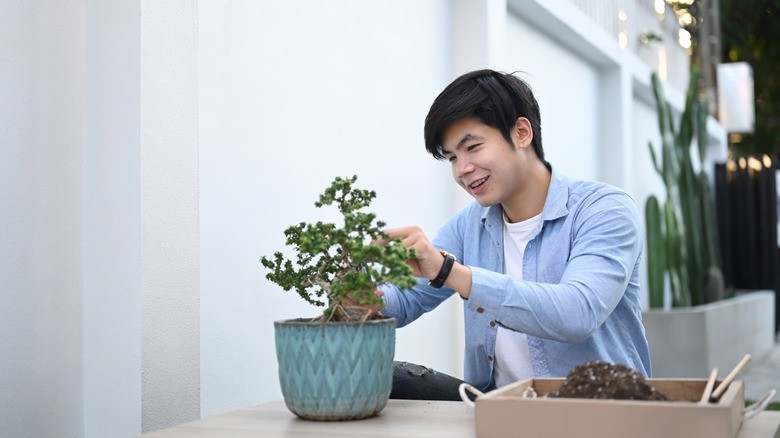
x: 478, y: 182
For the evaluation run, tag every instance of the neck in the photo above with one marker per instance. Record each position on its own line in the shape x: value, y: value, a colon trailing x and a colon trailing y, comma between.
x: 529, y: 199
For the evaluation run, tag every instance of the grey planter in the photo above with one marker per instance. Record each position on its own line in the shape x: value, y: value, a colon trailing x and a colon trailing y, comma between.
x: 335, y: 371
x: 689, y: 342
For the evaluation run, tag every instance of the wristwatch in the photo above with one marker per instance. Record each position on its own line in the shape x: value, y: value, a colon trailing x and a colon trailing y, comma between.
x: 444, y: 272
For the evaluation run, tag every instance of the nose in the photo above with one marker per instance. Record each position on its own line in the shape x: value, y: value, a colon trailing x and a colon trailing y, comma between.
x: 463, y: 167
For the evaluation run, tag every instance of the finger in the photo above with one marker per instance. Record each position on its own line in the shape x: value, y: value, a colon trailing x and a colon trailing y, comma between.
x: 402, y: 232
x: 411, y: 237
x: 380, y: 242
x: 391, y: 233
x: 410, y: 241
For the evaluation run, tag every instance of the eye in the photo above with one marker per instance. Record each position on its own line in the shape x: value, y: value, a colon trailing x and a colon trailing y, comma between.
x: 474, y: 146
x: 451, y: 158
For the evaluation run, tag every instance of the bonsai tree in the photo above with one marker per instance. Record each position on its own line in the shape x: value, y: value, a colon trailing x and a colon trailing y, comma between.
x: 334, y: 263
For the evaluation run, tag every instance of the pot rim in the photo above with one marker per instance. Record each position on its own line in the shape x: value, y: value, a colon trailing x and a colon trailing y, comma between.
x: 307, y: 322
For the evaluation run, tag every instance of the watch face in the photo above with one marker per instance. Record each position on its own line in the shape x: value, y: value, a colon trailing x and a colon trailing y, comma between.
x: 445, y: 254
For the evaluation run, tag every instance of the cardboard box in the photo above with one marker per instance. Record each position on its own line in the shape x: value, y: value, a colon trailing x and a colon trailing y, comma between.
x: 503, y: 412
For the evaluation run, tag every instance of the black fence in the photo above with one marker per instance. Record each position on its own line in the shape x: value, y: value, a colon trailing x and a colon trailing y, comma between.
x: 747, y: 204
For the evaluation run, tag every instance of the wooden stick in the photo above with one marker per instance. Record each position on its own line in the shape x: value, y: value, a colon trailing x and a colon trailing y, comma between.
x: 705, y: 396
x: 727, y: 381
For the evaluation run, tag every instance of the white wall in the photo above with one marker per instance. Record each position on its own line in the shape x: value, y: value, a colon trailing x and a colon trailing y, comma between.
x: 152, y: 152
x: 41, y: 134
x: 99, y: 218
x: 112, y: 221
x: 293, y: 94
x: 566, y: 87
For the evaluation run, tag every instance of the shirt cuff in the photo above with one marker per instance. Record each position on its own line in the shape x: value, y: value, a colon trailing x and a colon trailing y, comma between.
x: 487, y: 291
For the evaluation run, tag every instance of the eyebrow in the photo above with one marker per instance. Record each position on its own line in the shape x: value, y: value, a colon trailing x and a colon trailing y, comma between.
x: 466, y: 138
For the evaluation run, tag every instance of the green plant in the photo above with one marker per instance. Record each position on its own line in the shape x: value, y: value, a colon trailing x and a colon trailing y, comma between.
x: 339, y: 263
x: 774, y: 406
x: 682, y: 237
x: 749, y: 35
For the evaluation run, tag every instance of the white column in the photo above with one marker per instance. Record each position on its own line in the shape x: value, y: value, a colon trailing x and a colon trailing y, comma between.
x: 170, y: 278
x: 478, y: 41
x: 478, y: 34
x: 112, y: 220
x: 615, y: 108
x: 41, y: 109
x: 141, y: 236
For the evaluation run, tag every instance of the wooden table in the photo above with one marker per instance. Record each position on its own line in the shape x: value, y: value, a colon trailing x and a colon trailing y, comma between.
x: 400, y: 418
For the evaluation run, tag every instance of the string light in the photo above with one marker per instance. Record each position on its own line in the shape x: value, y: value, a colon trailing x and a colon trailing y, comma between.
x: 660, y: 7
x: 754, y: 164
x: 685, y: 38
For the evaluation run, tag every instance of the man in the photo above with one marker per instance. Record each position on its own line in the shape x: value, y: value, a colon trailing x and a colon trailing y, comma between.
x: 547, y: 267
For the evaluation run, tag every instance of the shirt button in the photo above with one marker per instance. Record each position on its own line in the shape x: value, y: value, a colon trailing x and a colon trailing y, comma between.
x: 480, y: 310
x: 490, y: 358
x: 492, y: 323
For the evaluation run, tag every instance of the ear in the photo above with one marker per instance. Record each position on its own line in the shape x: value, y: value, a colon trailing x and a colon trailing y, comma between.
x: 522, y: 133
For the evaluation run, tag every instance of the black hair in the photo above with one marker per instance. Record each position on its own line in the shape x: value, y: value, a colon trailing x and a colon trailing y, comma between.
x: 497, y: 99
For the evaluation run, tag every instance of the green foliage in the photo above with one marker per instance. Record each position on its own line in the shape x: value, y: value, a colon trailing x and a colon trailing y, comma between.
x: 774, y: 406
x: 334, y: 264
x: 657, y: 255
x: 684, y: 244
x: 749, y: 33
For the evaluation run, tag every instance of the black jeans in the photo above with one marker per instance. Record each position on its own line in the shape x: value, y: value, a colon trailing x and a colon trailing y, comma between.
x: 416, y: 382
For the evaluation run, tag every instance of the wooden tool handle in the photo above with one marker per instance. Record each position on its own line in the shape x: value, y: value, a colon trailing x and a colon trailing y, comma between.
x: 727, y: 381
x: 705, y: 396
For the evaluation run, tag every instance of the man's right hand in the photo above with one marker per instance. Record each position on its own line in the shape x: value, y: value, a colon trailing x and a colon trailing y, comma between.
x: 429, y: 259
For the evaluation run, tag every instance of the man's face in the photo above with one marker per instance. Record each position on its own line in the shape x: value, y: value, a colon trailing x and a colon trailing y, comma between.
x: 483, y: 162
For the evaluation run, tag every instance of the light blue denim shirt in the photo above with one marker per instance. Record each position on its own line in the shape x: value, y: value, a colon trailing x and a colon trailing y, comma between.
x: 579, y: 299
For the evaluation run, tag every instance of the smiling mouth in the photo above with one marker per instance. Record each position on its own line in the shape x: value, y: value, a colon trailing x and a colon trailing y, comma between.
x: 478, y: 182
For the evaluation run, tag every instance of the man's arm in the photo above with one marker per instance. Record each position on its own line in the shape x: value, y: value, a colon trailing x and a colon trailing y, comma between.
x: 606, y: 243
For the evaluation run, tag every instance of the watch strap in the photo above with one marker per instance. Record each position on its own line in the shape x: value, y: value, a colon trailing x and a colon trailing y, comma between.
x: 444, y: 272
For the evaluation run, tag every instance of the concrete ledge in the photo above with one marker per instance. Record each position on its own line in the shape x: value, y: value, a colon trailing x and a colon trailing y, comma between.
x: 689, y: 342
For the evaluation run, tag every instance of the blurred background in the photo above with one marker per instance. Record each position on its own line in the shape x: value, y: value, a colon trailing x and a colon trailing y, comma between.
x: 152, y: 152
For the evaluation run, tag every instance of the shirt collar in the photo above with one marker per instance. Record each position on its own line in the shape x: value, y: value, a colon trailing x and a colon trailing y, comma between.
x: 555, y: 205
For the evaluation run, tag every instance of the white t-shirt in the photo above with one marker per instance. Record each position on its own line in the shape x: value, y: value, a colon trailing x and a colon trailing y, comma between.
x: 513, y: 360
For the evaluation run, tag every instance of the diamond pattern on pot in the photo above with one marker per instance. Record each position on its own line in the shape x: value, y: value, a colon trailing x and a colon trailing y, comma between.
x: 336, y: 370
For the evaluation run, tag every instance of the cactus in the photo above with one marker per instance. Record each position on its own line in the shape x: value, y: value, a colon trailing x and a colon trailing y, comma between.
x: 656, y: 255
x: 684, y: 245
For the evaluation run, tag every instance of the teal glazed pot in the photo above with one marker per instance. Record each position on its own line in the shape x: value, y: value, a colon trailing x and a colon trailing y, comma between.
x: 335, y: 371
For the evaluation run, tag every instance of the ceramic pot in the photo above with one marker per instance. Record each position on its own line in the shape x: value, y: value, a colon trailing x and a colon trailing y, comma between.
x: 335, y: 371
